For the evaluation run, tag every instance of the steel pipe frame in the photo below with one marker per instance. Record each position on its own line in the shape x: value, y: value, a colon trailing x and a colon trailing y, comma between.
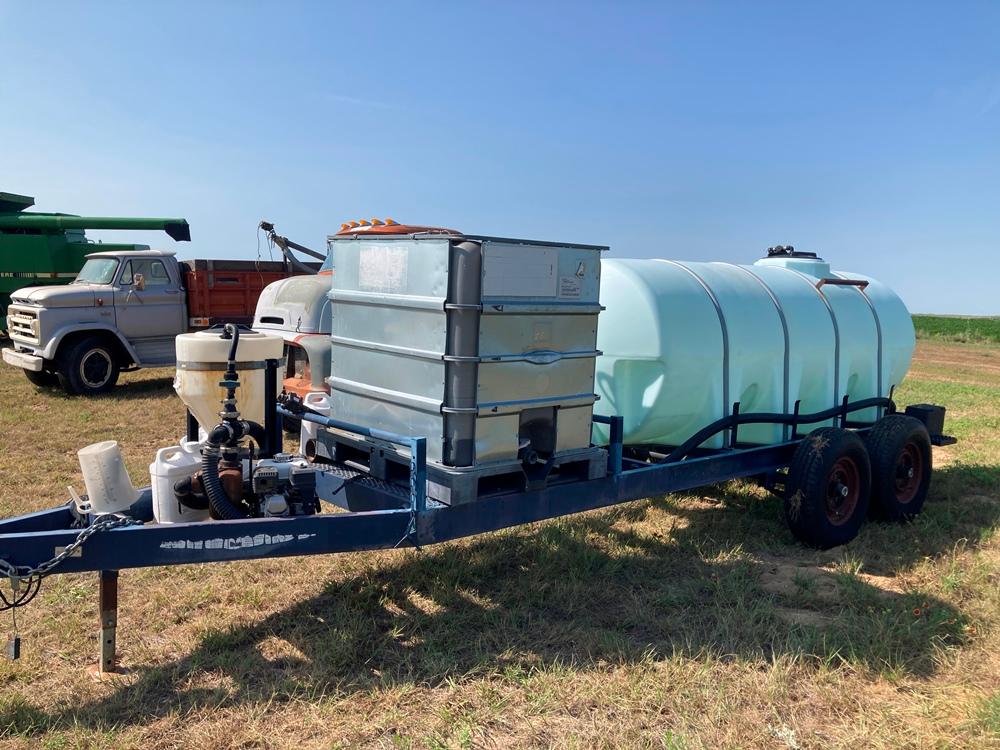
x: 28, y: 539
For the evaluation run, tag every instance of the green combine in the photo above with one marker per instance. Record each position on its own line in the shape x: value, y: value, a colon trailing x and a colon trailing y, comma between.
x: 39, y: 248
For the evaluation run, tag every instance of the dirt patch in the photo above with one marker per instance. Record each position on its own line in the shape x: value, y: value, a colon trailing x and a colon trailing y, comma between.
x: 951, y: 364
x: 979, y: 358
x: 795, y: 616
x: 793, y: 577
x: 944, y: 455
x: 885, y: 584
x: 816, y: 578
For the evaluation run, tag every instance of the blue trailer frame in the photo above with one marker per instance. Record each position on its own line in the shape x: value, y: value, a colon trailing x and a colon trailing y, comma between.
x: 402, y: 516
x: 411, y: 519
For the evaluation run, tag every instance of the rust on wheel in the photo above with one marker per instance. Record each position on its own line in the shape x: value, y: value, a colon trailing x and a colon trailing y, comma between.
x: 909, y: 473
x: 843, y: 488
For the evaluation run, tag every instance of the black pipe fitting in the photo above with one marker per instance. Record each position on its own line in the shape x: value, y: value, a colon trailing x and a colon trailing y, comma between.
x: 225, y: 435
x: 186, y: 496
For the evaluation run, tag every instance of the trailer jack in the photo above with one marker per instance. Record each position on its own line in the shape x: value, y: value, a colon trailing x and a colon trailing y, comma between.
x: 107, y: 662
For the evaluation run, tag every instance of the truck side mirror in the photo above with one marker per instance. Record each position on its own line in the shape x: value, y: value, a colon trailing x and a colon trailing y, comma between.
x: 139, y: 282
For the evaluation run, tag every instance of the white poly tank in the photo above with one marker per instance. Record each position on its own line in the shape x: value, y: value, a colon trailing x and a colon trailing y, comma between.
x: 201, y: 363
x: 170, y: 466
x: 682, y: 342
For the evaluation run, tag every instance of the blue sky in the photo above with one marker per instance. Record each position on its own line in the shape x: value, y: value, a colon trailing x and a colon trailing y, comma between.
x: 869, y: 132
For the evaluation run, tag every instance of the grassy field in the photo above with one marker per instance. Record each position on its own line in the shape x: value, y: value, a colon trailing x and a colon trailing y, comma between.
x: 689, y: 621
x: 955, y: 328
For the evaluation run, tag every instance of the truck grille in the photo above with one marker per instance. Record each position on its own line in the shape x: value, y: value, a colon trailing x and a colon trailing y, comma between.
x: 22, y: 324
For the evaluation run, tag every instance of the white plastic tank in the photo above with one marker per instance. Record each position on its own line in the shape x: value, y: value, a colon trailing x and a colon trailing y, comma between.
x: 172, y: 464
x: 201, y: 363
x: 682, y: 342
x: 319, y: 402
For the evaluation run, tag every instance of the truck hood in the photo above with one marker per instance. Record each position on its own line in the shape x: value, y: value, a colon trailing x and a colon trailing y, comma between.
x: 298, y: 304
x: 76, y: 295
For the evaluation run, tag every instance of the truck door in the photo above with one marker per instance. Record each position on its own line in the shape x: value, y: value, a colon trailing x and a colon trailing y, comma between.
x: 155, y: 311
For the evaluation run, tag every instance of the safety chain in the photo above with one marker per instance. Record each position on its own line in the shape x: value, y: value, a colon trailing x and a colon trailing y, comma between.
x: 19, y: 575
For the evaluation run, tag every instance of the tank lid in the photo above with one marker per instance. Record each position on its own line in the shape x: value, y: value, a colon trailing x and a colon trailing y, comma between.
x: 789, y: 251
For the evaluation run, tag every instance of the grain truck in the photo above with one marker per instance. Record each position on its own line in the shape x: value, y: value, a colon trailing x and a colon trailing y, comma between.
x: 123, y: 312
x: 46, y: 249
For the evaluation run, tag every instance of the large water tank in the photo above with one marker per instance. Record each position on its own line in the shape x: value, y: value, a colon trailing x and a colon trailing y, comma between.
x: 683, y: 341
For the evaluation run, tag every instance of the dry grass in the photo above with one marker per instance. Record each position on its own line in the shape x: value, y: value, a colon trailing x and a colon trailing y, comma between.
x: 679, y: 622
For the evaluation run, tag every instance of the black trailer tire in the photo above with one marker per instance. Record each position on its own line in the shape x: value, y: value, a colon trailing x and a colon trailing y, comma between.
x: 42, y: 378
x: 899, y: 448
x: 828, y: 489
x: 88, y: 367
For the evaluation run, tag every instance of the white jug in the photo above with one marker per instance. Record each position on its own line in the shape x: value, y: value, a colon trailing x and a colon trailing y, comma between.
x: 319, y: 402
x: 171, y: 465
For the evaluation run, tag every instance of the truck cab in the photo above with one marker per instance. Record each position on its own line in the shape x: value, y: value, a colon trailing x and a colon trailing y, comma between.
x: 122, y: 311
x: 298, y: 310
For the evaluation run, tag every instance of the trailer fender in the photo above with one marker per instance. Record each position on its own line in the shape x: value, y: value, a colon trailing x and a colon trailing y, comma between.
x: 318, y: 349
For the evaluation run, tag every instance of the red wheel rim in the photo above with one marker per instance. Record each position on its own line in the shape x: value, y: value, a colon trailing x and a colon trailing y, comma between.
x: 843, y: 488
x: 909, y: 473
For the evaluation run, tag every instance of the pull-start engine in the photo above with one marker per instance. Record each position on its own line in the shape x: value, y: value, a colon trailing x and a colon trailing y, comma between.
x: 284, y: 486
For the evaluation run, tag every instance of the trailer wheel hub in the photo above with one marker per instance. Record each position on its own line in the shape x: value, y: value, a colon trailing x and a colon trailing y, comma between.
x: 909, y: 473
x: 843, y: 490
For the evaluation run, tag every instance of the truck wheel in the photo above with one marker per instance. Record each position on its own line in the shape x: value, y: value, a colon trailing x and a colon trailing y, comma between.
x: 42, y: 379
x: 828, y: 489
x: 88, y: 367
x: 900, y: 451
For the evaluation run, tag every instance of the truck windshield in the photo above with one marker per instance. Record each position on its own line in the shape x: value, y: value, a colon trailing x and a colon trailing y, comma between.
x: 97, y: 271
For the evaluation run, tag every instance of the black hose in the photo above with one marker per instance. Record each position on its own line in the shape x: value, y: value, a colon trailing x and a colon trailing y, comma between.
x: 234, y: 331
x: 225, y: 433
x: 221, y: 505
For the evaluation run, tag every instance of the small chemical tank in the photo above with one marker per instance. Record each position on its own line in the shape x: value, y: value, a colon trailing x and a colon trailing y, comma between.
x: 201, y: 363
x: 682, y: 342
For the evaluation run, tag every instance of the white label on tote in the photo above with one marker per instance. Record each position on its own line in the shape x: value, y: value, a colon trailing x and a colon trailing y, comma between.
x: 570, y: 286
x: 382, y: 269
